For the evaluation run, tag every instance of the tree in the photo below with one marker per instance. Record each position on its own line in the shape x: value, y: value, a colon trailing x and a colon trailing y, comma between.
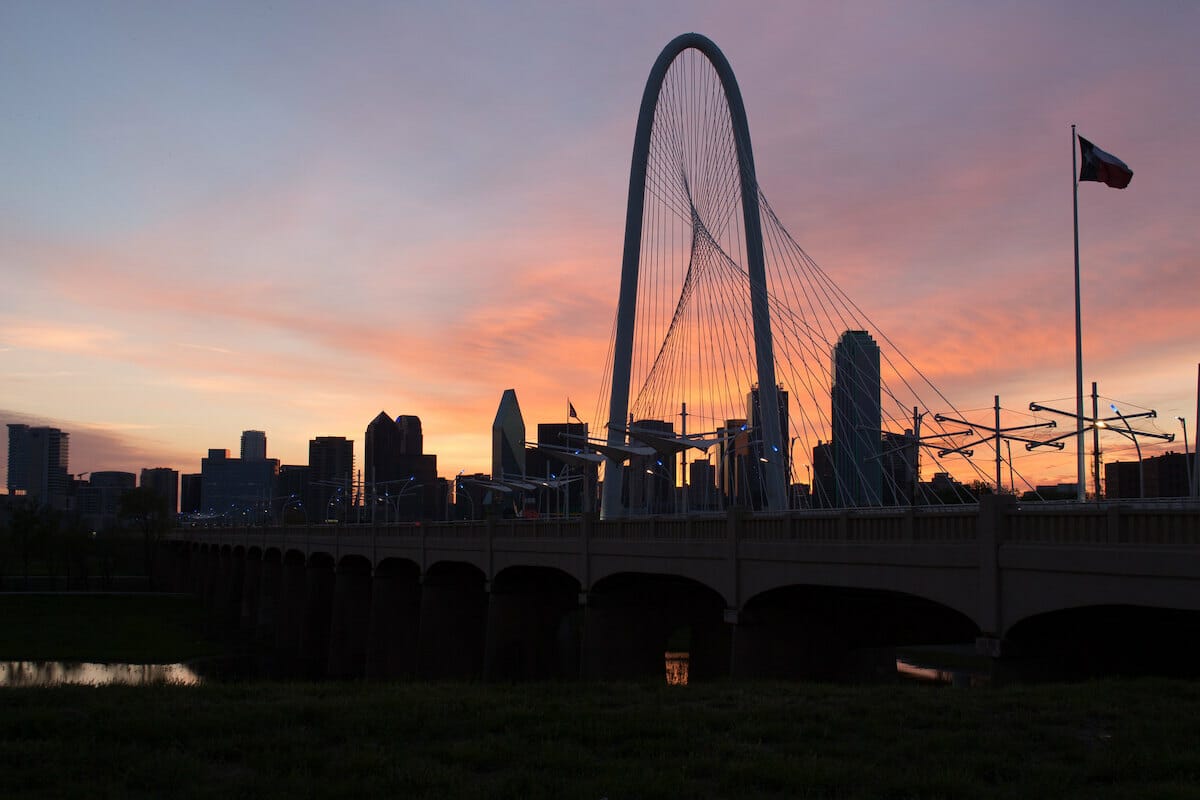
x: 145, y: 510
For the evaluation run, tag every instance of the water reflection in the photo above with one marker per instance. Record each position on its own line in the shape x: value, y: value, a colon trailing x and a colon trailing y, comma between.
x: 961, y: 678
x: 56, y: 673
x: 677, y: 668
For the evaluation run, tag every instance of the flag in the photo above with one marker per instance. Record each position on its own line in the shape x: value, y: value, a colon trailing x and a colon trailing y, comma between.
x: 571, y: 410
x: 1101, y: 166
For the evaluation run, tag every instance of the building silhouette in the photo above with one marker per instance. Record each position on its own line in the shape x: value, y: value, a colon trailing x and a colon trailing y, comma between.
x: 401, y: 481
x: 1165, y: 475
x: 191, y: 495
x: 254, y: 445
x: 38, y: 464
x: 753, y: 493
x: 99, y: 500
x: 237, y: 489
x: 857, y: 420
x: 508, y: 438
x: 330, y: 479
x: 165, y: 482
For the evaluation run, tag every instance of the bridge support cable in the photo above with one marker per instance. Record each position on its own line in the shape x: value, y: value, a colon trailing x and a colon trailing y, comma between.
x: 722, y: 312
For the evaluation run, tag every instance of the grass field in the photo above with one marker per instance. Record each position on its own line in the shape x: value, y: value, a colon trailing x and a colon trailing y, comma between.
x: 1107, y: 739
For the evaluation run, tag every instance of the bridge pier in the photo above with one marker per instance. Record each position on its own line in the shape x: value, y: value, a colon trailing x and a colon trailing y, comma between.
x: 251, y: 592
x: 531, y: 633
x: 318, y: 616
x: 290, y: 611
x: 453, y: 619
x: 350, y: 618
x: 393, y: 636
x: 269, y: 593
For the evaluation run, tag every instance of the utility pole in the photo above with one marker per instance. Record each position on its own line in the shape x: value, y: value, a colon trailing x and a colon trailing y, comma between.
x: 996, y: 434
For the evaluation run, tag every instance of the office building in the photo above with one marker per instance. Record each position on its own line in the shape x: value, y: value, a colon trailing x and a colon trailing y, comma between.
x: 331, y: 479
x: 38, y: 464
x: 401, y: 481
x: 856, y: 420
x: 191, y: 493
x: 165, y: 482
x: 254, y: 446
x: 236, y: 488
x: 508, y: 438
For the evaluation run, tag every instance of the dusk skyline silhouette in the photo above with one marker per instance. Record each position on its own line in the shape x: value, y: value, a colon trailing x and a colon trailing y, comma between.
x: 289, y: 218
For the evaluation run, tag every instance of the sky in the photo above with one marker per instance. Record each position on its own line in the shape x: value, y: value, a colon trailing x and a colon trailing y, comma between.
x: 290, y: 216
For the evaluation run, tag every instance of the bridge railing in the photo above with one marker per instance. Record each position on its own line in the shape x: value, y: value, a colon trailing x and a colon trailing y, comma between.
x: 1103, y: 523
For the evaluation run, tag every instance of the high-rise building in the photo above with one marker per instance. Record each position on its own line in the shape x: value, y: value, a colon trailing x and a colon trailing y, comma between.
x: 401, y: 481
x: 292, y: 493
x: 758, y: 460
x: 38, y: 460
x: 100, y: 500
x: 254, y: 446
x: 411, y: 441
x: 330, y: 478
x: 240, y: 489
x: 650, y: 480
x: 857, y: 420
x: 508, y: 438
x: 165, y: 482
x: 191, y: 493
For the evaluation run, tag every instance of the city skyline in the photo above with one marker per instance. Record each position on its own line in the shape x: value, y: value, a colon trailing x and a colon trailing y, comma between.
x: 245, y: 219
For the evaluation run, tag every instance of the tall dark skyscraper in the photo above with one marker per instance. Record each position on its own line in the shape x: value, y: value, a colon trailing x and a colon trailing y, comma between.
x: 857, y: 420
x: 38, y: 464
x: 331, y: 477
x: 254, y: 445
x: 508, y: 438
x: 401, y: 481
x: 165, y: 481
x: 754, y: 466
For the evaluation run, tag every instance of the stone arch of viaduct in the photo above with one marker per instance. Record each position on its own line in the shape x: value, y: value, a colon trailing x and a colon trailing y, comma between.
x: 773, y: 596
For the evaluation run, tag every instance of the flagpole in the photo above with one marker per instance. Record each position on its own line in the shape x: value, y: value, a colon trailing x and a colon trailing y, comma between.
x: 1081, y: 485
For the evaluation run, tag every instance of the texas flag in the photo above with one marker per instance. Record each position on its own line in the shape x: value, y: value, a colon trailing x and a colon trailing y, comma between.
x: 1101, y: 166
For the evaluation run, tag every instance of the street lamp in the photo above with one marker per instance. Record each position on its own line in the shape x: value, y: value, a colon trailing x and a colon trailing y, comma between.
x: 1137, y: 446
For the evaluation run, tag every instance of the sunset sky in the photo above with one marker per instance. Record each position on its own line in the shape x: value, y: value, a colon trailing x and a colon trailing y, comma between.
x: 289, y: 216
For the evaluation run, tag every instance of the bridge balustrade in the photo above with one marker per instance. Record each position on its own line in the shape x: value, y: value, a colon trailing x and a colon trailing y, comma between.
x: 945, y: 526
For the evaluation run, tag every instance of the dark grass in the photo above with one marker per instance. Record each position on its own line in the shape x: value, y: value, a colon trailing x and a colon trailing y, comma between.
x: 1104, y: 739
x: 1096, y: 740
x: 133, y: 628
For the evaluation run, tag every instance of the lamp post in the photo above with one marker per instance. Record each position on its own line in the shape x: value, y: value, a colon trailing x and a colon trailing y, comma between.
x: 1137, y: 446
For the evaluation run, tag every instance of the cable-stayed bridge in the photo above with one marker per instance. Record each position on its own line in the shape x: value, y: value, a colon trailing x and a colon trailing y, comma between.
x: 726, y: 325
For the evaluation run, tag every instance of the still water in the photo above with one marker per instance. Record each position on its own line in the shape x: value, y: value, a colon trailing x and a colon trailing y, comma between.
x: 58, y: 673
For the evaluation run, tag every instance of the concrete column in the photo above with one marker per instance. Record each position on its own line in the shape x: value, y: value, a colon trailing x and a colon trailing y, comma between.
x: 318, y: 616
x: 269, y: 593
x: 293, y: 589
x: 351, y: 615
x: 530, y: 635
x: 393, y: 635
x: 622, y: 640
x: 453, y: 616
x: 251, y: 592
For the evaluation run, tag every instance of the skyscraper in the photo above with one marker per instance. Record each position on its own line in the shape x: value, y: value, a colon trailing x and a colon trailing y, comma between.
x: 401, y: 481
x: 331, y: 478
x: 254, y: 445
x: 857, y: 420
x: 165, y: 481
x: 38, y: 464
x: 759, y: 461
x: 508, y: 438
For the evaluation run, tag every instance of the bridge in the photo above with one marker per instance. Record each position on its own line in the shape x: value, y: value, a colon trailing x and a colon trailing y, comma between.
x: 726, y: 325
x: 769, y: 595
